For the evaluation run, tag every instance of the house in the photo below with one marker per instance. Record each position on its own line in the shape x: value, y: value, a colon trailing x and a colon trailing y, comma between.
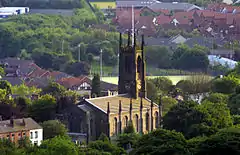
x: 18, y: 129
x: 15, y: 67
x: 14, y: 80
x: 178, y: 39
x: 83, y: 85
x: 111, y: 114
x: 226, y: 53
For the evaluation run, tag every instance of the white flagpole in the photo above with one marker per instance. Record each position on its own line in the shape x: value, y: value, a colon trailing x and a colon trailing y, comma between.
x: 133, y: 29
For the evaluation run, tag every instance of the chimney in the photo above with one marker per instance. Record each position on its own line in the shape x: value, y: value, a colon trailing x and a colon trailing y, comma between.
x: 12, y: 121
x: 23, y: 122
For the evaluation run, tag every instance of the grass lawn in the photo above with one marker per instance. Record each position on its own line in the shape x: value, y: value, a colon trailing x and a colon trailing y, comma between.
x: 104, y: 5
x: 174, y: 79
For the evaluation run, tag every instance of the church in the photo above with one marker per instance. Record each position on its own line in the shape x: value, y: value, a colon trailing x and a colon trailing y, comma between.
x: 111, y: 114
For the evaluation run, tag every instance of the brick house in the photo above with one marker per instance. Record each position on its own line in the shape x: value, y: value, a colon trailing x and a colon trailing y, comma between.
x: 17, y: 129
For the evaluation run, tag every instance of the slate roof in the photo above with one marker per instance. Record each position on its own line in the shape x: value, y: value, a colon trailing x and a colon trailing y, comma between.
x: 30, y: 124
x: 102, y: 103
x: 136, y: 3
x: 13, y: 80
x: 105, y: 86
x: 173, y: 6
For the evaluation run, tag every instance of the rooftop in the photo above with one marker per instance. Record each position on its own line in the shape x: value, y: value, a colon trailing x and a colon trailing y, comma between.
x: 102, y: 103
x: 18, y: 125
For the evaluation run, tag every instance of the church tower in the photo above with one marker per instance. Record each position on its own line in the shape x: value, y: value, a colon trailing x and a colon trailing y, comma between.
x: 132, y: 70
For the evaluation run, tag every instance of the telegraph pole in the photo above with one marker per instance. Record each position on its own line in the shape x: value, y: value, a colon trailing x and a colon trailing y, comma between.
x: 79, y: 52
x: 101, y: 64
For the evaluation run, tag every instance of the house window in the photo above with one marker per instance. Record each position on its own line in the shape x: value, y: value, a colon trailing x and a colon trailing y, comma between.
x: 13, y: 136
x: 7, y: 136
x: 19, y: 136
x: 36, y: 134
x: 31, y: 135
x: 35, y: 143
x: 24, y: 134
x: 115, y: 126
x: 136, y: 123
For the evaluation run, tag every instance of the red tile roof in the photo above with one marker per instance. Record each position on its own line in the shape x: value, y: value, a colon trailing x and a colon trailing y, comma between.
x: 163, y: 19
x: 39, y: 73
x: 188, y: 15
x: 73, y: 81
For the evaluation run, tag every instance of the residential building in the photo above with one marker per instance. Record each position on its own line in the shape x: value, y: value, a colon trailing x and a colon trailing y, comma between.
x: 18, y: 129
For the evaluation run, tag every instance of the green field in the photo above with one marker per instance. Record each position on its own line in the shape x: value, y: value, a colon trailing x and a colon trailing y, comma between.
x: 174, y: 79
x: 104, y: 5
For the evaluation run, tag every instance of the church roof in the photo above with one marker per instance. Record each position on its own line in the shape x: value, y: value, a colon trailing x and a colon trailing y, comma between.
x: 102, y: 103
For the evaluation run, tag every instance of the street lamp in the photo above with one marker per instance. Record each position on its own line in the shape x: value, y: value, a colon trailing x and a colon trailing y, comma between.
x: 79, y: 52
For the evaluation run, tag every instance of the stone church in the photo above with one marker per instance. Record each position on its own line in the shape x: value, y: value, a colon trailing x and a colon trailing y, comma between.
x: 111, y: 114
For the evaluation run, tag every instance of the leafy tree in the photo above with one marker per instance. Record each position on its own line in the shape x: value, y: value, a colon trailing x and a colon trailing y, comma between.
x: 106, y: 147
x: 53, y: 128
x: 167, y: 103
x: 54, y: 89
x: 225, y: 141
x: 190, y: 59
x: 182, y: 116
x: 43, y: 109
x: 96, y: 88
x: 200, y: 83
x: 3, y: 94
x: 162, y: 83
x: 185, y: 85
x: 225, y: 85
x: 234, y: 104
x: 77, y: 68
x: 162, y: 142
x: 22, y: 103
x: 158, y: 56
x: 2, y: 72
x: 7, y: 86
x: 23, y: 90
x: 236, y: 119
x: 151, y: 90
x: 58, y: 145
x: 217, y: 98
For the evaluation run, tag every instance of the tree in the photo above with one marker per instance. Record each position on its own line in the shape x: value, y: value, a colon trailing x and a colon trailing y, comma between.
x: 234, y: 104
x: 77, y: 68
x: 54, y: 89
x: 23, y: 90
x: 2, y: 72
x: 185, y: 85
x: 53, y: 128
x: 7, y: 86
x: 43, y: 109
x: 236, y: 119
x: 58, y: 146
x: 168, y: 103
x: 163, y: 84
x: 225, y: 141
x: 200, y: 83
x: 151, y: 90
x: 217, y: 98
x: 158, y: 56
x: 161, y: 142
x: 96, y: 88
x: 194, y: 120
x: 106, y: 147
x: 182, y: 116
x: 191, y: 59
x: 225, y: 85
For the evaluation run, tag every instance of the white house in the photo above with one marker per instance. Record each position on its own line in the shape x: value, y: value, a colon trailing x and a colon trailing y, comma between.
x: 36, y: 136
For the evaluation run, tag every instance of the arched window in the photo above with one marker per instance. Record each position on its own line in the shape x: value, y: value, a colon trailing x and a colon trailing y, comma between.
x: 115, y: 126
x: 126, y: 121
x: 147, y: 122
x: 156, y: 119
x: 136, y: 122
x: 139, y: 64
